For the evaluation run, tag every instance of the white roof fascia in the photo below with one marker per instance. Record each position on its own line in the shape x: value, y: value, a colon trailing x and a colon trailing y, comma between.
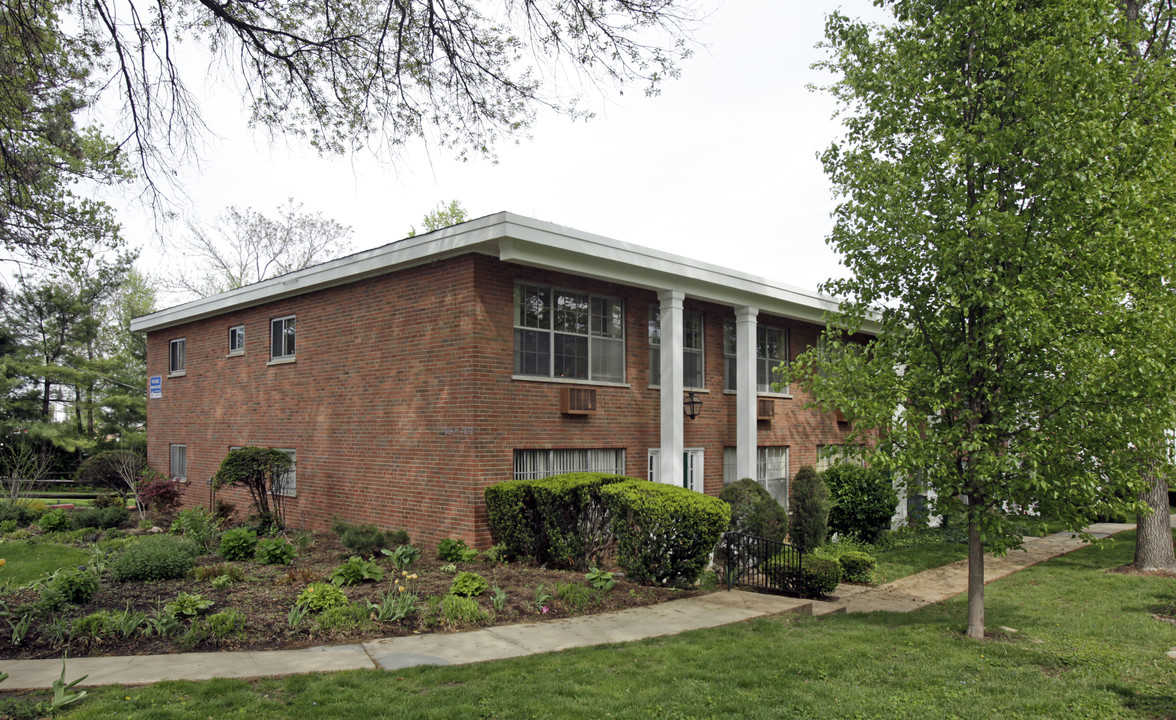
x: 522, y: 240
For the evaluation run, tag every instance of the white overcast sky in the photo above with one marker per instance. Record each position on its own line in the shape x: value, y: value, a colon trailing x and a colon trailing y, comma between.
x: 720, y: 167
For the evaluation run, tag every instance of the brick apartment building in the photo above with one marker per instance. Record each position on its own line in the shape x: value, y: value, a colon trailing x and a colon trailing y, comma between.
x: 406, y: 379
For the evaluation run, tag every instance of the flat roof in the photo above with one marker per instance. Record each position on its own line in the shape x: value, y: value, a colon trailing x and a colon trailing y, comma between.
x: 524, y: 241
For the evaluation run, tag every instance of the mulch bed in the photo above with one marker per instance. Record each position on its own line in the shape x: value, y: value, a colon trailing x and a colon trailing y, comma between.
x: 269, y: 591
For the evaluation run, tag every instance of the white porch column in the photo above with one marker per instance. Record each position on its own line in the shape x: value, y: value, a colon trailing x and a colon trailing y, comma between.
x: 745, y: 389
x: 672, y: 423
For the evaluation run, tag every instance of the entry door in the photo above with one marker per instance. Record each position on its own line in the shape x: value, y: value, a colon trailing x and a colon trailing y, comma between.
x: 692, y: 468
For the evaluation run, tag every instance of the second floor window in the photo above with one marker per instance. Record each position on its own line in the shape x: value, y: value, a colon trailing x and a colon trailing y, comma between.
x: 771, y: 350
x: 282, y: 337
x: 692, y: 363
x: 566, y: 334
x: 175, y: 363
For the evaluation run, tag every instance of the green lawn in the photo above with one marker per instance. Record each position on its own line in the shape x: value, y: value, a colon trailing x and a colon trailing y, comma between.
x: 895, y: 564
x: 25, y: 562
x: 1086, y: 647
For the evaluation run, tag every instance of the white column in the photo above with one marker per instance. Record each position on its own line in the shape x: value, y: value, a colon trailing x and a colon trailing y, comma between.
x: 672, y: 424
x: 745, y: 390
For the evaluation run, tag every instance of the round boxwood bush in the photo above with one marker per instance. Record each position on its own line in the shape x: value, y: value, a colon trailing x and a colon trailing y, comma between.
x: 861, y: 500
x: 858, y: 567
x: 754, y: 511
x: 820, y: 575
x: 158, y: 557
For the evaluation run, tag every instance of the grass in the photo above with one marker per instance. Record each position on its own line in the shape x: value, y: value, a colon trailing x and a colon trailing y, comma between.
x: 1085, y: 647
x: 895, y: 564
x: 25, y: 562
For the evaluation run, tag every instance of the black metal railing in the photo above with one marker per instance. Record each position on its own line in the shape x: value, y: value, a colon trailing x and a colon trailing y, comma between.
x: 760, y: 564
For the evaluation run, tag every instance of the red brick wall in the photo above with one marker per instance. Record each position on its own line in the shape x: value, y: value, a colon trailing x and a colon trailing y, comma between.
x: 401, y: 405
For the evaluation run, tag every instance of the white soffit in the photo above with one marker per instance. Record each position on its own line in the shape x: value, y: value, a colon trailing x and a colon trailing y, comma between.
x: 517, y: 239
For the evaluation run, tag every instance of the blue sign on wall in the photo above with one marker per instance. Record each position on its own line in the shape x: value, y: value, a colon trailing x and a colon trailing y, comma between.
x: 155, y: 387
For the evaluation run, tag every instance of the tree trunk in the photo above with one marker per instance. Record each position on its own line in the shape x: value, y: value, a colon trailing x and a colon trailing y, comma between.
x: 975, y: 578
x: 1153, y: 545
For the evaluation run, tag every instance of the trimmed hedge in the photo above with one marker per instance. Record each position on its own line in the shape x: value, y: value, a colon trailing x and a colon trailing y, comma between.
x: 664, y: 533
x: 102, y: 518
x: 559, y: 521
x: 821, y: 575
x: 858, y: 566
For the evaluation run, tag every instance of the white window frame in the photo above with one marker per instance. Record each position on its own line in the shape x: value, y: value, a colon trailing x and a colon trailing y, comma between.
x: 537, y: 464
x: 692, y: 320
x: 762, y: 463
x: 599, y: 332
x: 177, y: 351
x: 693, y: 468
x: 830, y: 455
x: 237, y: 340
x: 764, y: 365
x: 178, y: 456
x: 288, y: 337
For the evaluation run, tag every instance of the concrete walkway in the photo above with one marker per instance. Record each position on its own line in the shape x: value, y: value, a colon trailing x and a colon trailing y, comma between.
x: 506, y: 641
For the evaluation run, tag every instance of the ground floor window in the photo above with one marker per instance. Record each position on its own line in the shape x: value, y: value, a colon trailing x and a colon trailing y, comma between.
x: 771, y: 463
x: 692, y: 468
x: 179, y: 462
x: 287, y: 484
x: 535, y: 464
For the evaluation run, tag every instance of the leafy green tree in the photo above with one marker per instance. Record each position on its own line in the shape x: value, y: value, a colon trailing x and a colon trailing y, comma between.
x: 442, y: 216
x: 44, y: 154
x: 1006, y: 216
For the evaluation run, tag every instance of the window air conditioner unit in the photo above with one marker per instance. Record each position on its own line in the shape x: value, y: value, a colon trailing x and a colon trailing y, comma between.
x: 577, y: 401
x: 765, y: 409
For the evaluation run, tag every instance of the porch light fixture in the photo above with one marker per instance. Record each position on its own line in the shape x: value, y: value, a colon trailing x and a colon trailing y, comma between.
x: 692, y: 404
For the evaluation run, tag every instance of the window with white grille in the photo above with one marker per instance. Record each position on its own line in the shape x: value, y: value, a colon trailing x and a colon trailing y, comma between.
x: 535, y: 464
x: 179, y: 462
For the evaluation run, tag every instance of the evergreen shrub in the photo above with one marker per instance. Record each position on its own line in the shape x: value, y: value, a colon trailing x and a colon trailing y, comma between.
x: 857, y: 567
x: 861, y: 500
x: 754, y: 511
x: 810, y: 510
x: 102, y: 518
x: 664, y: 534
x: 821, y: 575
x: 364, y: 539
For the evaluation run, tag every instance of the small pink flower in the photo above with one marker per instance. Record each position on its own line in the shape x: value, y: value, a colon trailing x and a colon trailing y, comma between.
x: 545, y: 609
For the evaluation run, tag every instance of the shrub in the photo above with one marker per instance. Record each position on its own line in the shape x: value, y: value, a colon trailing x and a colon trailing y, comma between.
x: 468, y: 584
x: 104, y: 518
x: 318, y: 597
x: 754, y: 511
x: 362, y: 539
x: 257, y: 470
x: 158, y: 557
x: 74, y: 585
x: 397, y: 537
x: 105, y: 469
x: 276, y: 551
x: 810, y: 510
x: 197, y: 525
x: 560, y: 521
x: 820, y: 575
x: 238, y: 544
x: 664, y: 533
x: 356, y: 570
x: 209, y: 572
x: 109, y: 500
x: 18, y: 512
x: 55, y: 521
x: 858, y: 567
x: 452, y: 550
x: 159, y: 493
x: 861, y: 500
